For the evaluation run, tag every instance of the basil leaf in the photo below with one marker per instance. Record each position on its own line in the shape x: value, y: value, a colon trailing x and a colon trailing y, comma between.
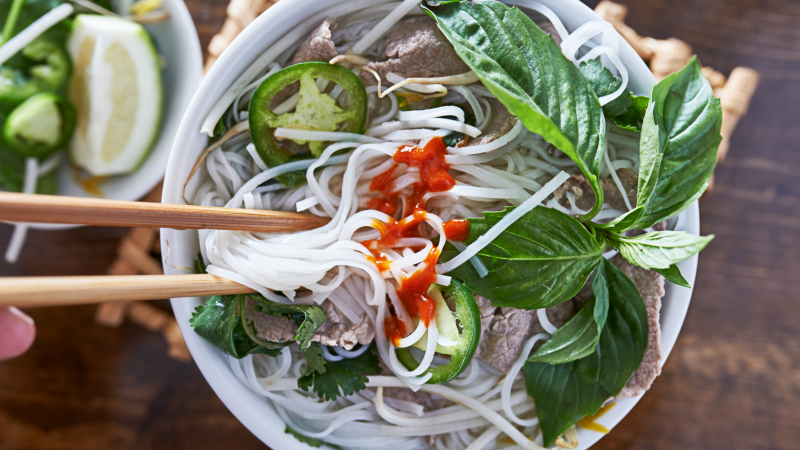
x: 565, y: 393
x: 541, y: 260
x: 660, y: 249
x: 308, y: 318
x: 525, y: 69
x: 686, y: 119
x: 673, y: 274
x: 605, y: 83
x: 633, y: 117
x: 219, y: 322
x: 575, y: 340
x: 578, y: 338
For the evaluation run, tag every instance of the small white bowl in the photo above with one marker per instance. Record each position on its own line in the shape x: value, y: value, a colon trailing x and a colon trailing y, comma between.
x: 182, y: 246
x: 176, y: 39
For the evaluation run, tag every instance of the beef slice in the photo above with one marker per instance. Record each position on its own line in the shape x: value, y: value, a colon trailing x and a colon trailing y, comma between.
x: 336, y: 330
x: 418, y: 49
x: 318, y: 46
x: 650, y: 285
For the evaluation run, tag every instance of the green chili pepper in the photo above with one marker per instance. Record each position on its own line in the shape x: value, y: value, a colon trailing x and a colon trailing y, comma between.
x: 49, y: 70
x: 467, y: 341
x: 315, y: 110
x: 39, y: 126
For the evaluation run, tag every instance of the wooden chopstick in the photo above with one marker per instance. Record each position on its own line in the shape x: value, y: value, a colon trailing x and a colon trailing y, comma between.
x: 33, y: 292
x: 15, y: 207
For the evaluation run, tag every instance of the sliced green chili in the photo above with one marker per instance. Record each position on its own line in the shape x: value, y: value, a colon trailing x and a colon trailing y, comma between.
x: 315, y: 110
x: 460, y: 354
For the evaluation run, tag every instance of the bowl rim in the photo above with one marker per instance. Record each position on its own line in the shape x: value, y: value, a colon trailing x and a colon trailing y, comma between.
x: 251, y: 409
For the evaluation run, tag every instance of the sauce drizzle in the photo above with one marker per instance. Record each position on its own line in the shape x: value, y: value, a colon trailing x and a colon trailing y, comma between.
x: 434, y: 176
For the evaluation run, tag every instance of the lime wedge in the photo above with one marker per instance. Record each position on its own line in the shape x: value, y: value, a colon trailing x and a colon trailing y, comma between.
x: 117, y: 92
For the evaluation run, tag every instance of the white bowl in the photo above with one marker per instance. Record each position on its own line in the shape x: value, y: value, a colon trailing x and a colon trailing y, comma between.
x: 182, y: 246
x: 176, y: 39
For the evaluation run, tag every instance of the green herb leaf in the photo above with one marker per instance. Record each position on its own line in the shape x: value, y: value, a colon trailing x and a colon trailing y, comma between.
x: 680, y: 138
x: 313, y: 442
x: 565, y: 393
x: 219, y: 322
x: 575, y: 340
x: 315, y: 362
x: 673, y: 274
x: 605, y: 83
x: 660, y: 249
x: 578, y: 338
x: 525, y: 69
x: 341, y: 377
x: 308, y: 318
x: 541, y: 260
x: 199, y: 264
x: 633, y: 117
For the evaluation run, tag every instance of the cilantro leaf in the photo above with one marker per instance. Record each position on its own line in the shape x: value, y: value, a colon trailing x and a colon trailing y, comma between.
x: 308, y: 318
x: 219, y: 322
x: 315, y: 362
x: 341, y: 377
x: 313, y: 442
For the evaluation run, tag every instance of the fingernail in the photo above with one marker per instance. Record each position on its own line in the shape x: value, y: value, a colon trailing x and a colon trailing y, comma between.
x: 15, y: 311
x: 17, y: 332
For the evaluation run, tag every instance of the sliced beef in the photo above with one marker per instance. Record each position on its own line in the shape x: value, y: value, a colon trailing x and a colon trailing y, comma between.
x: 580, y: 188
x: 336, y: 330
x: 429, y: 402
x: 500, y: 123
x: 418, y: 49
x: 584, y: 195
x: 611, y: 193
x: 651, y: 286
x: 318, y: 46
x: 505, y: 330
x: 548, y: 28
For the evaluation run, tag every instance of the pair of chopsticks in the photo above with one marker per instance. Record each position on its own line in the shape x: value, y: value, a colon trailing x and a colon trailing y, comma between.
x: 59, y: 291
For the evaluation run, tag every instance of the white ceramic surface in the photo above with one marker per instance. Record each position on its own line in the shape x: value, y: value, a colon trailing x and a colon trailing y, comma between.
x: 182, y: 246
x: 176, y: 39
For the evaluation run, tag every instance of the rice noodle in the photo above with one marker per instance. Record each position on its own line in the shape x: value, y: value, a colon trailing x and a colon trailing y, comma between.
x: 332, y: 136
x: 504, y: 223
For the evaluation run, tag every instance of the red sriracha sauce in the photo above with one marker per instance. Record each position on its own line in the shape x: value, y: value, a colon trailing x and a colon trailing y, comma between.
x: 457, y: 230
x: 434, y: 177
x: 395, y: 329
x: 433, y: 174
x: 413, y: 290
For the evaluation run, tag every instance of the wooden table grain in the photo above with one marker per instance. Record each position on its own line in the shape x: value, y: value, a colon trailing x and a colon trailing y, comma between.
x: 732, y: 381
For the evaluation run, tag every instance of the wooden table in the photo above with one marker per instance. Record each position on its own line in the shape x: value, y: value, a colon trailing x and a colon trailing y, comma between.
x: 732, y: 382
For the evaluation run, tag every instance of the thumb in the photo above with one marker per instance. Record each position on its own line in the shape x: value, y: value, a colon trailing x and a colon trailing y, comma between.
x: 17, y: 332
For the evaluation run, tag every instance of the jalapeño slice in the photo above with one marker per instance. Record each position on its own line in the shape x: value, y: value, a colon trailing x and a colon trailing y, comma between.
x: 315, y: 110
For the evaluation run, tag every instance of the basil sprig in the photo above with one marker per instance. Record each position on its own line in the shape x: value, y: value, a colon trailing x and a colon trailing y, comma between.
x: 678, y: 148
x: 565, y: 393
x: 525, y: 69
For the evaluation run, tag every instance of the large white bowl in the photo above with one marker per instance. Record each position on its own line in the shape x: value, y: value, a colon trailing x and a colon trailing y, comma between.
x: 182, y: 246
x: 176, y: 39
